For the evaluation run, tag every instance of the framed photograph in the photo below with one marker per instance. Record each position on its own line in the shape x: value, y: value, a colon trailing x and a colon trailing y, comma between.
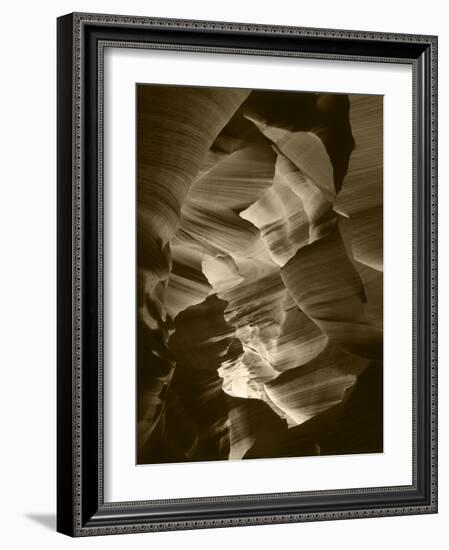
x: 247, y: 293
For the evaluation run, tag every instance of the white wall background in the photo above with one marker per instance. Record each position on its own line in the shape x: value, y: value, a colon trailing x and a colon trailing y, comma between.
x: 28, y: 267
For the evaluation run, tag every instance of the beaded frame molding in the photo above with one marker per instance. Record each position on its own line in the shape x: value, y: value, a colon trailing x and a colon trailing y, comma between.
x: 81, y: 510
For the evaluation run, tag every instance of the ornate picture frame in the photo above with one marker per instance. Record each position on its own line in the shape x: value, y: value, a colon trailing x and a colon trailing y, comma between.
x: 81, y: 506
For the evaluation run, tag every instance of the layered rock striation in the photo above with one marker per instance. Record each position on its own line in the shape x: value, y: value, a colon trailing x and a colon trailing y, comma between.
x: 259, y: 249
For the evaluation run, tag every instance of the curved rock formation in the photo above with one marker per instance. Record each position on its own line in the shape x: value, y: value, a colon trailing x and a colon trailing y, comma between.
x: 259, y: 256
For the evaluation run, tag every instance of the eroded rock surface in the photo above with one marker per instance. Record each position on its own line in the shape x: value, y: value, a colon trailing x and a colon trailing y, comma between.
x: 259, y: 249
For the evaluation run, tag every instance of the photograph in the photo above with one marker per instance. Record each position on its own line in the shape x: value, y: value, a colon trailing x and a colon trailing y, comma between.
x: 247, y: 273
x: 259, y: 277
x: 222, y: 308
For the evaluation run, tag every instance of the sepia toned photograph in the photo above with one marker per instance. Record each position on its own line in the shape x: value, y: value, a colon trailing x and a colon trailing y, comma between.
x: 259, y: 274
x: 247, y: 274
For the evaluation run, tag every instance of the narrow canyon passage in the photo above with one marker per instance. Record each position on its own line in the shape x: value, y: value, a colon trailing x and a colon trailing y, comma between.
x: 260, y: 285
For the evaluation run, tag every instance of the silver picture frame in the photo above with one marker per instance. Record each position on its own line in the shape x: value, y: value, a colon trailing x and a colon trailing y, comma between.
x: 81, y: 509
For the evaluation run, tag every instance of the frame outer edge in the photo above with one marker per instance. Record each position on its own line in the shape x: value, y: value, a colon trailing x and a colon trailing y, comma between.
x: 65, y: 405
x: 232, y: 26
x: 433, y: 223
